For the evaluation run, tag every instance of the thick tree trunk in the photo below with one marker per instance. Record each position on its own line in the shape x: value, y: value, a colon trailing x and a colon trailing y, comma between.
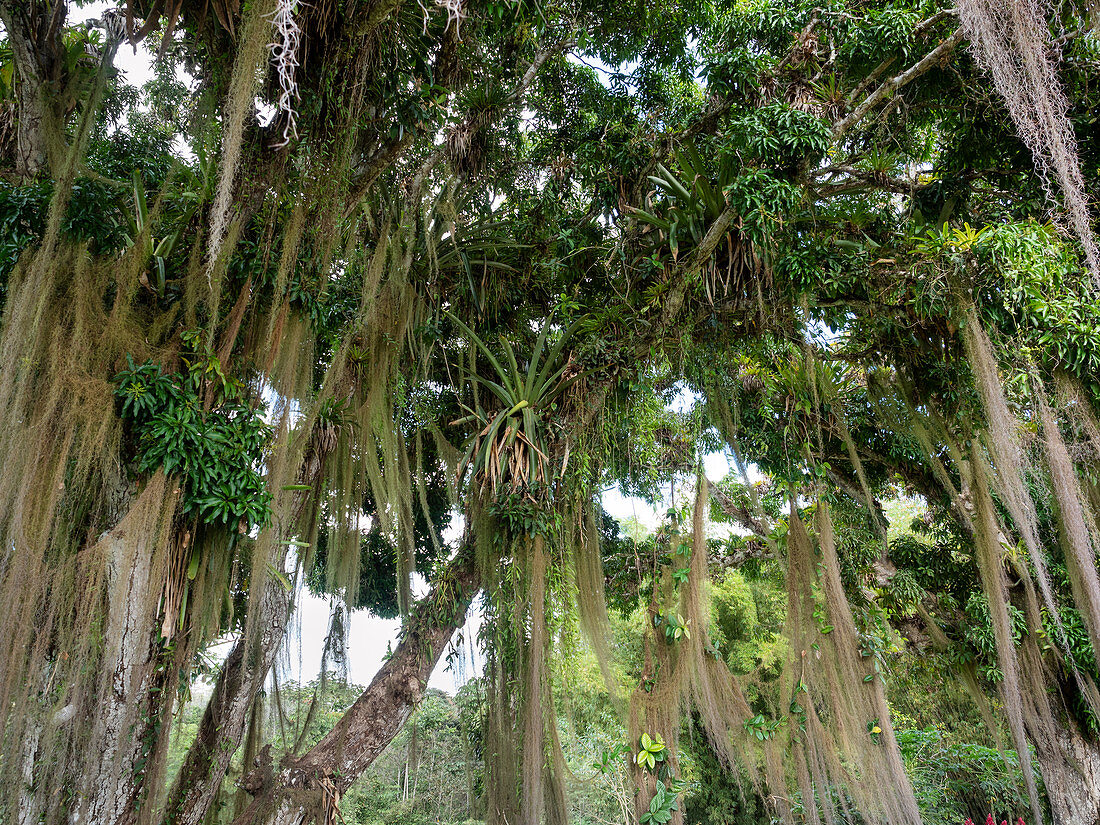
x: 314, y: 782
x: 1071, y: 774
x: 34, y: 28
x: 127, y: 707
x: 226, y: 717
x: 30, y: 132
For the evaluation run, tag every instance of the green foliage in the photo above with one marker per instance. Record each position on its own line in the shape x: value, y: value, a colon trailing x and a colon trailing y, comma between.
x: 978, y: 634
x: 747, y: 622
x: 666, y: 800
x: 610, y: 756
x: 937, y: 561
x: 651, y: 751
x: 765, y: 203
x: 157, y: 251
x: 674, y: 626
x: 22, y: 221
x: 216, y: 452
x: 93, y: 217
x: 524, y: 516
x: 653, y: 755
x: 779, y: 136
x: 761, y: 728
x: 693, y: 200
x: 1026, y: 280
x: 955, y: 781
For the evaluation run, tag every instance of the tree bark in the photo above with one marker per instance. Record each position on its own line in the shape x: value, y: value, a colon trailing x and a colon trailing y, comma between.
x: 225, y: 719
x: 315, y: 781
x: 34, y: 28
x: 1071, y: 773
x: 126, y: 706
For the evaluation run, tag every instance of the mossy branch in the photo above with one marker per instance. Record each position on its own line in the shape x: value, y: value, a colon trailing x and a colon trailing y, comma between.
x: 377, y: 715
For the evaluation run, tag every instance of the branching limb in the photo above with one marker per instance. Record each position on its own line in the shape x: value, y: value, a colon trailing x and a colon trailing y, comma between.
x: 891, y: 86
x: 864, y: 178
x: 370, y: 724
x: 756, y: 523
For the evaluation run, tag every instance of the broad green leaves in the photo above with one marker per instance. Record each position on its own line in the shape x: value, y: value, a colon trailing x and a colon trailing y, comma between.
x: 651, y: 751
x: 216, y: 452
x: 761, y: 728
x: 653, y: 755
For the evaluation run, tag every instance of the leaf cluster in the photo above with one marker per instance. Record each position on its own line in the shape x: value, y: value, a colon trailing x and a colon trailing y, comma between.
x: 216, y: 450
x: 512, y: 447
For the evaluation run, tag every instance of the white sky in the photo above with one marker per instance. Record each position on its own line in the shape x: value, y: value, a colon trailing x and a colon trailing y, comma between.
x: 135, y: 64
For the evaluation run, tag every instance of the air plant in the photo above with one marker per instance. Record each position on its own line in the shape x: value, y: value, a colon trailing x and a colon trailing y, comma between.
x: 511, y: 446
x: 139, y: 230
x: 691, y: 203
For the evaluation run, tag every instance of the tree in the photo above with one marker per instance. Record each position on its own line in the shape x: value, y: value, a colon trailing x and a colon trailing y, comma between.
x: 446, y: 259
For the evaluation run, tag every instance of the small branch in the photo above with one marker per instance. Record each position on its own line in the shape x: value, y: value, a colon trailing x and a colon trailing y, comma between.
x: 377, y: 165
x: 874, y: 75
x: 918, y: 30
x: 753, y: 523
x: 540, y: 58
x: 594, y: 68
x: 890, y: 87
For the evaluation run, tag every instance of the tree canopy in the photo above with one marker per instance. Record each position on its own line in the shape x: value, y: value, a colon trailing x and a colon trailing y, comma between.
x: 352, y: 293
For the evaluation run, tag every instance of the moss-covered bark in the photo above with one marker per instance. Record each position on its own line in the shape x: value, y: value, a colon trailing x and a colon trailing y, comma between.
x: 315, y: 781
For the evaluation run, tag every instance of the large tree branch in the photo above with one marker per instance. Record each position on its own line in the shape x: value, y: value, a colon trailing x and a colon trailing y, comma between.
x: 226, y: 717
x: 674, y: 300
x: 323, y: 773
x: 755, y: 522
x: 890, y: 86
x: 855, y: 179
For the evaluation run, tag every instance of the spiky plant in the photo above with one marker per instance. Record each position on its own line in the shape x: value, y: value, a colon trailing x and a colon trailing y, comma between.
x: 512, y: 446
x: 691, y: 203
x: 139, y: 231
